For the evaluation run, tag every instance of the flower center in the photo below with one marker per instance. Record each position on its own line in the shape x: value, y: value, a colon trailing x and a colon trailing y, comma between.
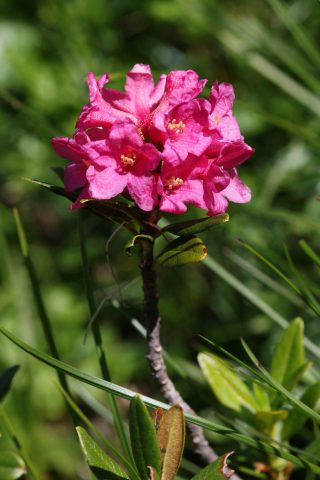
x: 217, y: 119
x: 172, y: 182
x: 129, y: 159
x: 176, y: 127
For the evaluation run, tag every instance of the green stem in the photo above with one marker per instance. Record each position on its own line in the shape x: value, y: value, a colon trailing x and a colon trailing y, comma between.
x: 11, y: 433
x: 43, y: 316
x: 118, y: 422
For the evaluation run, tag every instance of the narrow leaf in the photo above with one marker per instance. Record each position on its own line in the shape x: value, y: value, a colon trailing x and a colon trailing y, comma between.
x: 296, y: 419
x: 136, y: 239
x: 230, y: 390
x: 99, y: 462
x: 143, y: 436
x: 6, y: 380
x: 181, y: 251
x: 171, y: 438
x: 11, y: 466
x: 310, y: 252
x: 217, y: 470
x: 288, y: 355
x: 193, y: 227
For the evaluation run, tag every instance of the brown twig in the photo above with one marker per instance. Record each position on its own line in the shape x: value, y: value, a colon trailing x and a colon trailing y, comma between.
x: 152, y: 322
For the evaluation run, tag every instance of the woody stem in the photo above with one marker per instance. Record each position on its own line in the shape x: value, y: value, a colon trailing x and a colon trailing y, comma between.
x: 154, y: 355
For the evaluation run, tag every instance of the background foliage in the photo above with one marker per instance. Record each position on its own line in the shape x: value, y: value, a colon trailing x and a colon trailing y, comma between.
x: 46, y: 49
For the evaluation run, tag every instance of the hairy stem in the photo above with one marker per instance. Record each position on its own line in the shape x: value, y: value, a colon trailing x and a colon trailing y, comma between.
x: 152, y: 323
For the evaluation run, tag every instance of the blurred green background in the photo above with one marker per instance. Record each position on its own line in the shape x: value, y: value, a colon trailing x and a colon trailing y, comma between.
x: 268, y: 51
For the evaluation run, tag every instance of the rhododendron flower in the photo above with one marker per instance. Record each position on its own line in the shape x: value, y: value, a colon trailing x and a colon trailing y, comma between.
x: 157, y: 143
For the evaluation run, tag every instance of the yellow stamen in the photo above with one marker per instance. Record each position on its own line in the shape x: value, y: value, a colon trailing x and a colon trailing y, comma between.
x: 176, y: 127
x: 86, y: 162
x: 172, y: 182
x: 141, y: 134
x: 129, y: 159
x: 217, y: 119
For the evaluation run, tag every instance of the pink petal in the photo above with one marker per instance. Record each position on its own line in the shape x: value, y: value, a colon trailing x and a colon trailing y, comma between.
x: 237, y: 191
x: 67, y: 148
x: 139, y: 87
x: 233, y: 154
x: 74, y: 176
x: 221, y: 98
x: 181, y: 86
x: 105, y: 184
x: 143, y: 191
x: 124, y: 134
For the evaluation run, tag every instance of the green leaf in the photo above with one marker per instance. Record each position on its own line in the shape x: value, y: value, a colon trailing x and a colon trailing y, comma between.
x: 218, y: 470
x: 265, y: 421
x: 296, y: 419
x: 6, y: 380
x: 262, y: 397
x: 143, y: 436
x: 228, y: 432
x: 230, y: 390
x: 193, y: 227
x: 288, y: 356
x: 11, y: 466
x: 171, y: 438
x: 181, y: 251
x: 136, y: 239
x: 99, y: 462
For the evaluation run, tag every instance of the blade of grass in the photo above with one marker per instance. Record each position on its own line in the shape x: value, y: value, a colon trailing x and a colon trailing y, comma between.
x: 306, y: 293
x: 268, y: 70
x: 310, y: 252
x: 272, y: 266
x: 263, y: 278
x: 118, y: 421
x: 35, y: 286
x: 255, y: 300
x: 128, y: 394
x: 296, y: 31
x: 7, y: 426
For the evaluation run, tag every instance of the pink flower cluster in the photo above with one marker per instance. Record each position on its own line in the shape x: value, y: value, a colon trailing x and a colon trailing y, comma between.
x: 158, y: 144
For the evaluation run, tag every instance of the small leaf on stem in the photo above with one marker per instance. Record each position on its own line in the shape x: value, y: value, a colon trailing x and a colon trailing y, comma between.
x: 100, y: 463
x: 143, y: 436
x: 181, y: 251
x: 171, y: 438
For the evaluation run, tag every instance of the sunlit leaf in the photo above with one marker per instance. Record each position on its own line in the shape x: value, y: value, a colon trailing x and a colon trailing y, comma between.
x: 288, y: 356
x: 181, y: 251
x: 217, y: 470
x: 171, y: 438
x: 6, y: 380
x: 265, y: 420
x: 230, y: 390
x: 143, y: 436
x: 192, y: 227
x: 100, y: 463
x: 262, y: 397
x: 11, y: 466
